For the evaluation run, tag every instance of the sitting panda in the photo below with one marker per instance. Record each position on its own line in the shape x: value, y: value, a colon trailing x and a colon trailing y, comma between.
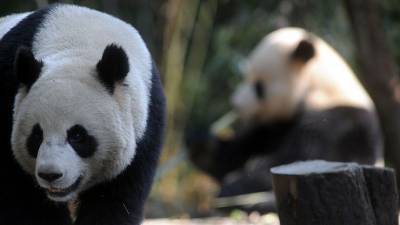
x: 299, y: 100
x: 82, y: 117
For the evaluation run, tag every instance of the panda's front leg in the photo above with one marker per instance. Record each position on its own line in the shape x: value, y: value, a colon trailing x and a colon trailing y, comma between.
x: 120, y: 201
x: 107, y: 210
x: 114, y: 203
x: 22, y: 203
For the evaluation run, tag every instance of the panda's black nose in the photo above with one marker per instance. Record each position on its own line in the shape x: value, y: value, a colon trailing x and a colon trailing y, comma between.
x: 50, y: 177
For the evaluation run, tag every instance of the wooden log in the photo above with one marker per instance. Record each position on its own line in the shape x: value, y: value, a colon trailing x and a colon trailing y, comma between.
x: 320, y: 192
x: 382, y: 188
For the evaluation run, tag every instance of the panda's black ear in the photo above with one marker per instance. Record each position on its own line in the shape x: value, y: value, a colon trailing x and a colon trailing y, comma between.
x: 112, y: 67
x: 26, y: 68
x: 304, y: 51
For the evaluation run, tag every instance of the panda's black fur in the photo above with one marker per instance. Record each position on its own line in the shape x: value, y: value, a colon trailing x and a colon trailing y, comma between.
x: 24, y: 203
x: 337, y: 134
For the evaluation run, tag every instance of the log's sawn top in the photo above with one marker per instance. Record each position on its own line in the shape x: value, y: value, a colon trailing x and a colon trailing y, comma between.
x: 312, y: 167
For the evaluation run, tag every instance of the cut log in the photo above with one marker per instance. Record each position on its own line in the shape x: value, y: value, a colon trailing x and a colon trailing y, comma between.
x: 383, y: 194
x: 320, y: 192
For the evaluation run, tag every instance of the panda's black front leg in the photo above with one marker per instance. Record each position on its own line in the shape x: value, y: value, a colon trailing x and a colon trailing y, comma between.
x: 22, y: 203
x: 33, y: 211
x: 116, y: 203
x: 121, y: 200
x: 209, y: 151
x: 106, y: 209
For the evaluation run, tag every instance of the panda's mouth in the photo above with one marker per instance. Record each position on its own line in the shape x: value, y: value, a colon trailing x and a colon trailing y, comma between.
x: 62, y: 192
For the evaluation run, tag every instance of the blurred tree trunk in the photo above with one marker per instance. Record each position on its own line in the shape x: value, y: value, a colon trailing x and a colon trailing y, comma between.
x: 378, y: 71
x: 110, y: 6
x: 41, y: 3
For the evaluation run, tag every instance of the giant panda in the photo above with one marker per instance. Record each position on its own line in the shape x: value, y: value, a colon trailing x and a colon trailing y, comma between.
x: 298, y: 100
x: 82, y: 117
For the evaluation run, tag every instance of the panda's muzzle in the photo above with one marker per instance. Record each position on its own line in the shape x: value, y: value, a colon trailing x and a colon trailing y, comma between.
x: 62, y: 192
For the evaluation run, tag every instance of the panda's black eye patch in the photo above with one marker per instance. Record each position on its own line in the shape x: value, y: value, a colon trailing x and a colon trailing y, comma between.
x: 259, y: 89
x: 77, y: 134
x: 80, y: 140
x: 34, y: 140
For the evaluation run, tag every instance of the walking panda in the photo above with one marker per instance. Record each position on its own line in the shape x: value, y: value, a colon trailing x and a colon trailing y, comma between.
x: 298, y: 100
x: 82, y: 117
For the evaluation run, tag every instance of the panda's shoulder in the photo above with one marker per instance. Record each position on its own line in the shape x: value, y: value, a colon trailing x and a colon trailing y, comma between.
x: 10, y: 21
x: 19, y: 30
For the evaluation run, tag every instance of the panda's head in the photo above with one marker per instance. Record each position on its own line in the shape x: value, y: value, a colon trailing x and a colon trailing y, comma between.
x: 274, y: 83
x: 73, y: 124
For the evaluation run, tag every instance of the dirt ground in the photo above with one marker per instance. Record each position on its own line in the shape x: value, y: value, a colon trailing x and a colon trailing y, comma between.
x: 252, y: 219
x: 269, y: 219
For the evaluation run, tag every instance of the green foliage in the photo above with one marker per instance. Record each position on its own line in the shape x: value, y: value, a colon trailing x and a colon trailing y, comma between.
x: 8, y: 7
x: 232, y: 39
x: 391, y: 14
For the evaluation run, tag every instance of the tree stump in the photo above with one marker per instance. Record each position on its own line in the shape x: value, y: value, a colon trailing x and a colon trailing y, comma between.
x: 321, y: 193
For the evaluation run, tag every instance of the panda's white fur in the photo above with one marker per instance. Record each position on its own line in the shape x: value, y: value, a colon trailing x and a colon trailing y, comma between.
x: 323, y: 82
x: 70, y: 42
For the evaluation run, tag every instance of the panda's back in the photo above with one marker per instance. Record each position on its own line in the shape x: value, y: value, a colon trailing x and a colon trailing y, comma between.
x: 332, y: 81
